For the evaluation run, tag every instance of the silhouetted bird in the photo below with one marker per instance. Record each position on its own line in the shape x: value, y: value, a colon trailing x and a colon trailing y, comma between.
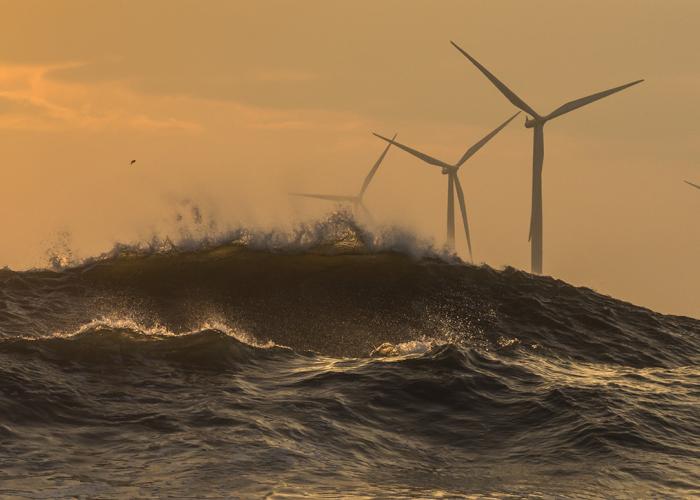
x: 132, y: 162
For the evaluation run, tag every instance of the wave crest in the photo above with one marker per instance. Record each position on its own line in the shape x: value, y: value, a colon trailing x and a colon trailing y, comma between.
x: 124, y: 342
x: 338, y: 233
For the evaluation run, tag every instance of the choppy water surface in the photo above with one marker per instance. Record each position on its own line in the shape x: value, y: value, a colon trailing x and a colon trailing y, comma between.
x: 235, y: 370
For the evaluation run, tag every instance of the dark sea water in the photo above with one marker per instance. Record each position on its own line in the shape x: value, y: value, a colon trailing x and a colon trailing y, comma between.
x: 337, y: 369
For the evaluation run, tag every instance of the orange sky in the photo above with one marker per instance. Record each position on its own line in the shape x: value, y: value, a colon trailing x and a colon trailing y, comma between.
x: 231, y: 104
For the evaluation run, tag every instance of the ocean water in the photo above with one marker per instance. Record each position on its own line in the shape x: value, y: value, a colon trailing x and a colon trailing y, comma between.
x: 336, y: 366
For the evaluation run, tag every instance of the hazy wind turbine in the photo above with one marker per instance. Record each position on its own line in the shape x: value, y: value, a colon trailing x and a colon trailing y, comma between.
x: 357, y: 199
x: 537, y: 122
x: 691, y: 184
x: 453, y: 183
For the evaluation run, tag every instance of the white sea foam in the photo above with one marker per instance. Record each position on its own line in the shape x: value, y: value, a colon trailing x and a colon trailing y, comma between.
x: 156, y: 331
x: 337, y: 233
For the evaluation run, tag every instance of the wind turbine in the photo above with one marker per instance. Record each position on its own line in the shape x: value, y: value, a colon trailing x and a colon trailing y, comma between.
x: 537, y: 122
x: 691, y: 184
x: 357, y: 199
x: 453, y: 183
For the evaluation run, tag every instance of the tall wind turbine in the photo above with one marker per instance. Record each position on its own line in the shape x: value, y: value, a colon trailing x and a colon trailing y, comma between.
x: 537, y: 122
x: 453, y: 183
x: 355, y: 200
x: 691, y: 184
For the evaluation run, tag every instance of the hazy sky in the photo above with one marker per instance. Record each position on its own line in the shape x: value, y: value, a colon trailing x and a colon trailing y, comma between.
x: 232, y: 103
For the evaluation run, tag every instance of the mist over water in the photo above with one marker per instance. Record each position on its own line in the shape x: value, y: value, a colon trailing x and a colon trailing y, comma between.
x: 335, y: 360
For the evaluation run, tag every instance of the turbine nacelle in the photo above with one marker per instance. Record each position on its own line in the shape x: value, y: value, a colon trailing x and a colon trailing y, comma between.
x: 532, y: 122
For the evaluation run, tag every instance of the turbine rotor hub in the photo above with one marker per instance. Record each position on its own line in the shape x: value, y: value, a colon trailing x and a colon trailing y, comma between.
x: 531, y: 122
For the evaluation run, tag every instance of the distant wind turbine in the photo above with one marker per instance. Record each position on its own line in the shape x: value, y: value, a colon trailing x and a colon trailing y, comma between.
x: 453, y: 183
x: 356, y: 200
x: 537, y: 123
x: 691, y: 184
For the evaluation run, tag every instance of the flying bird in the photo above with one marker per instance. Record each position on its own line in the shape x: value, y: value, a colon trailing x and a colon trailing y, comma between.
x: 132, y: 162
x: 453, y: 184
x: 537, y: 122
x: 356, y: 200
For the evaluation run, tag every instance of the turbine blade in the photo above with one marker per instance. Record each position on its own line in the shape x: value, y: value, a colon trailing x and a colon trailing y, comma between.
x: 691, y: 184
x: 416, y: 153
x: 373, y: 171
x: 328, y: 197
x: 510, y: 95
x: 463, y: 208
x: 476, y: 147
x: 368, y: 214
x: 572, y: 105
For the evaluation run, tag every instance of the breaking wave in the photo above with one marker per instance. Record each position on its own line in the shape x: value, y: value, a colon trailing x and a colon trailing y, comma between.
x: 336, y: 361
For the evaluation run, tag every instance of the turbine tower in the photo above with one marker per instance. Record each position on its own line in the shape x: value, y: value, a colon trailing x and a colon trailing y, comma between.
x: 355, y: 200
x: 691, y: 184
x: 453, y: 183
x: 537, y: 122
